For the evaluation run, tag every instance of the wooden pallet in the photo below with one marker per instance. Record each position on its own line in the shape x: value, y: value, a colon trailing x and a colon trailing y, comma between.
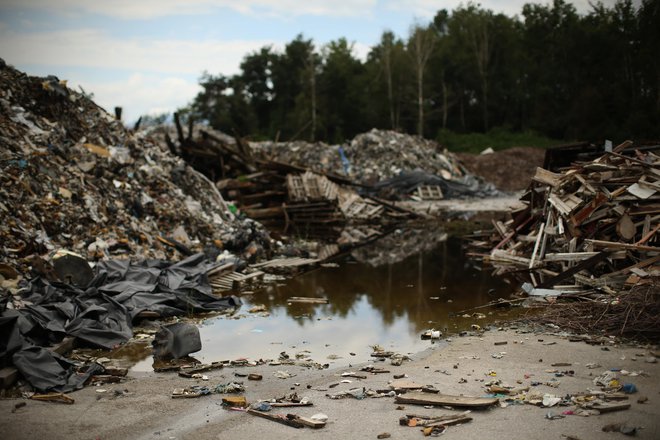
x: 430, y: 192
x: 286, y: 263
x: 236, y: 281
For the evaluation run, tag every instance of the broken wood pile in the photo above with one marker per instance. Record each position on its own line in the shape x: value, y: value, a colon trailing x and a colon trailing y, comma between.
x: 589, y: 227
x: 306, y: 203
x: 213, y: 153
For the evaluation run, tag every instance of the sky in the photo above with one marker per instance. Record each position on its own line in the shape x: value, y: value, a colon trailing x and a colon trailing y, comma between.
x: 148, y: 55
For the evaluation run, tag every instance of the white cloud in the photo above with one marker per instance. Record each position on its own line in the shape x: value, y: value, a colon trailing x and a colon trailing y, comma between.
x: 92, y: 48
x: 148, y: 9
x: 141, y: 94
x: 361, y: 50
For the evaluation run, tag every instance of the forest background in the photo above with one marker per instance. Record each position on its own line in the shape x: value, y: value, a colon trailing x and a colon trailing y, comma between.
x: 469, y: 77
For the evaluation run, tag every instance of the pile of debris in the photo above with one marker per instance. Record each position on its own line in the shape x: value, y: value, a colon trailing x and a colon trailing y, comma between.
x: 591, y: 227
x: 71, y: 176
x: 374, y: 157
x: 368, y: 158
x: 319, y: 191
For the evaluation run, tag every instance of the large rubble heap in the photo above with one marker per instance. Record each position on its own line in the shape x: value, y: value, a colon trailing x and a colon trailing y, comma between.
x: 315, y: 190
x: 73, y: 177
x: 369, y: 158
x: 590, y: 227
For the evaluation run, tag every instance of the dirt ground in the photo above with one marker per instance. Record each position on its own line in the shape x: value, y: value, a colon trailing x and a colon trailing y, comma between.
x: 508, y: 170
x: 459, y: 366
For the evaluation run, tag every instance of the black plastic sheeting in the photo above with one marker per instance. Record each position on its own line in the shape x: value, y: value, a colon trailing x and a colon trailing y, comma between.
x: 99, y: 314
x: 48, y: 371
x: 408, y: 181
x: 176, y: 341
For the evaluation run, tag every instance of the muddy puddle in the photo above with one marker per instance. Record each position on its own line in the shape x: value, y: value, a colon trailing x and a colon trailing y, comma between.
x: 387, y: 294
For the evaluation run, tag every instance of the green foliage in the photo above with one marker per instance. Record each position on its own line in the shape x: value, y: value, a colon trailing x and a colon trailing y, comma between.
x: 496, y: 138
x: 547, y: 70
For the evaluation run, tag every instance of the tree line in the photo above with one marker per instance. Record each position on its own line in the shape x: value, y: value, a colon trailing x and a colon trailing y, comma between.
x: 549, y: 70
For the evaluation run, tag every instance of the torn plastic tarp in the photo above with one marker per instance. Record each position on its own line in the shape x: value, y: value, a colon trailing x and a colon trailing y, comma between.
x: 408, y: 181
x: 102, y: 314
x: 176, y: 341
x: 48, y: 371
x: 10, y: 338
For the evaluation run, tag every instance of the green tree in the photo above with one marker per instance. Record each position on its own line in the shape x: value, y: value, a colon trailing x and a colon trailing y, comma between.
x: 421, y: 43
x: 291, y: 92
x: 340, y: 86
x: 256, y: 76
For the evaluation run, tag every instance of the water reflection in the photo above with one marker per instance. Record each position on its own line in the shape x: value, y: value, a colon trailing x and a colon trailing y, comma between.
x: 386, y: 294
x: 425, y: 288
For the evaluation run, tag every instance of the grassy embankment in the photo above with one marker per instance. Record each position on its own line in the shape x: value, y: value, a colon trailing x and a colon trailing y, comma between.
x: 497, y: 139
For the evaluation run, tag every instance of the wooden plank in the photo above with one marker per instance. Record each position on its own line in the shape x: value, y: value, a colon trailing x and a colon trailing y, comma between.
x: 309, y: 300
x: 499, y: 254
x: 419, y: 398
x: 314, y: 424
x: 589, y: 262
x: 641, y: 192
x: 622, y: 146
x: 559, y: 204
x: 606, y: 408
x: 278, y: 418
x: 54, y: 397
x: 580, y: 256
x: 648, y: 236
x: 536, y: 244
x: 290, y: 404
x: 631, y: 159
x: 286, y: 262
x: 617, y: 245
x: 582, y: 215
x: 639, y: 265
x: 429, y: 423
x: 547, y: 177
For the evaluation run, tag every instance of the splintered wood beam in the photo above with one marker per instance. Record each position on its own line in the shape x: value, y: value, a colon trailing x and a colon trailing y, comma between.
x: 284, y: 420
x: 648, y: 236
x: 589, y: 262
x: 582, y: 215
x: 421, y: 398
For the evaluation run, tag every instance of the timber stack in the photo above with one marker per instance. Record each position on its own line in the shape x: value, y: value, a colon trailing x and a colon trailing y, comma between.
x: 591, y: 227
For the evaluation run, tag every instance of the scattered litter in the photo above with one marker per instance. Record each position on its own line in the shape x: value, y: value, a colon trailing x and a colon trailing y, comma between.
x: 280, y: 374
x: 623, y: 428
x: 229, y: 388
x: 355, y: 393
x: 553, y: 416
x: 234, y: 401
x: 193, y: 391
x: 431, y: 334
x: 261, y: 406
